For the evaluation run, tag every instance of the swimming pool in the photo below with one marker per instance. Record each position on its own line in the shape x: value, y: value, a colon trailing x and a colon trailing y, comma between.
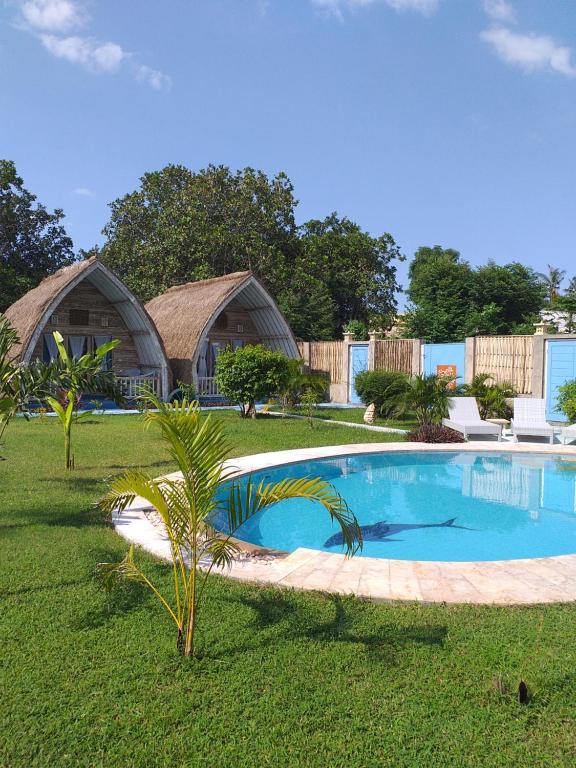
x: 431, y: 506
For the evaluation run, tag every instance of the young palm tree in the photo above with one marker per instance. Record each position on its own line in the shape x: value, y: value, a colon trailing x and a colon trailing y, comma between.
x: 187, y: 505
x: 428, y: 397
x: 492, y: 398
x: 553, y: 280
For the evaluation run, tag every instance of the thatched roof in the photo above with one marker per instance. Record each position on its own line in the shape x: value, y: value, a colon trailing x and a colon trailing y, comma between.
x: 30, y: 313
x: 185, y: 314
x: 26, y: 314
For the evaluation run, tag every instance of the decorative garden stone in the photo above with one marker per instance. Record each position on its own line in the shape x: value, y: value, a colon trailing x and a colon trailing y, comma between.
x: 370, y: 414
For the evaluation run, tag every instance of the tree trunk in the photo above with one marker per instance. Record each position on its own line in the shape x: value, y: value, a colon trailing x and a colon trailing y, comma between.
x: 67, y: 446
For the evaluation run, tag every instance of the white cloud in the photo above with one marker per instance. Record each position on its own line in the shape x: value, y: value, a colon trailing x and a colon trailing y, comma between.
x: 53, y: 15
x: 83, y: 192
x: 499, y: 10
x: 50, y: 20
x: 336, y: 7
x: 155, y: 79
x: 530, y: 52
x: 97, y: 57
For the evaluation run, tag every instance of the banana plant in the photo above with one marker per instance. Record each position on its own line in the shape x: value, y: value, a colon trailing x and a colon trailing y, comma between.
x: 73, y: 376
x: 187, y: 504
x: 18, y: 383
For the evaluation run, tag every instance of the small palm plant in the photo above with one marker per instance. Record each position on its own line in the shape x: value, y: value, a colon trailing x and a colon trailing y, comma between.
x: 73, y: 376
x: 492, y: 398
x: 187, y: 504
x: 428, y: 397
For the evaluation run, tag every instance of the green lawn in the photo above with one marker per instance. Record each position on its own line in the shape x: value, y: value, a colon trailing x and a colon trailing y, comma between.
x: 284, y: 678
x: 356, y: 416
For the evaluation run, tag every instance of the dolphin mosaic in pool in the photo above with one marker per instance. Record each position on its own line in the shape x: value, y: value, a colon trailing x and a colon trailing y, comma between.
x: 382, y: 530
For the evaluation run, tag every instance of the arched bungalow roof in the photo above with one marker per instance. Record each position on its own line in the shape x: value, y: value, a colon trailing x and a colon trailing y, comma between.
x: 185, y: 314
x: 30, y: 314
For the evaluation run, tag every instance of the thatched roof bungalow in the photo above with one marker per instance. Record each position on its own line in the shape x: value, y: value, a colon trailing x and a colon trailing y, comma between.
x: 197, y: 320
x: 89, y: 305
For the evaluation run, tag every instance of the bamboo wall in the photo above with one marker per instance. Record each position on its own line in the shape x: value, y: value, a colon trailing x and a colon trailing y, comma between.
x: 393, y: 355
x: 328, y: 357
x: 508, y: 359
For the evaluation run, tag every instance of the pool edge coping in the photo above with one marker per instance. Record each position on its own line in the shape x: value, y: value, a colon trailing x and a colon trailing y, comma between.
x: 497, y: 582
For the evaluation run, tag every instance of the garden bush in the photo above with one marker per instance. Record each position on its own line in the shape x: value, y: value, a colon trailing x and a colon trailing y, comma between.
x: 492, y: 398
x: 434, y: 433
x: 567, y: 400
x: 251, y: 373
x: 386, y: 389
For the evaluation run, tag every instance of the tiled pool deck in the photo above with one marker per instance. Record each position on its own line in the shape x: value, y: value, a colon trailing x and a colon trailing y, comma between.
x: 504, y: 582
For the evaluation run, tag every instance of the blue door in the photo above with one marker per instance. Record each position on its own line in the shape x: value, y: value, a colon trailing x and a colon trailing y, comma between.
x: 444, y: 359
x: 560, y: 368
x: 357, y: 362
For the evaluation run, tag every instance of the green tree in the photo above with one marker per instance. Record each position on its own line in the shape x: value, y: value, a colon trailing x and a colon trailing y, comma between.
x: 33, y: 242
x: 251, y: 373
x: 552, y: 279
x: 441, y: 295
x: 181, y: 226
x: 359, y: 270
x: 450, y: 300
x: 187, y: 505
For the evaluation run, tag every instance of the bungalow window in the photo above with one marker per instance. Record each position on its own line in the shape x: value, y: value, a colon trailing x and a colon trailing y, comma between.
x: 77, y: 346
x: 97, y: 342
x: 79, y: 317
x: 49, y: 348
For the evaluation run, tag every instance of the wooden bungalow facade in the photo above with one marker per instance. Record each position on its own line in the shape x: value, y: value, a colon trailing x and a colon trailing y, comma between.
x: 196, y: 321
x: 89, y: 305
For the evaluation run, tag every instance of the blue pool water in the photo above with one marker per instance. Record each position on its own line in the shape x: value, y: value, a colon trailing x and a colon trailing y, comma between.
x: 432, y: 506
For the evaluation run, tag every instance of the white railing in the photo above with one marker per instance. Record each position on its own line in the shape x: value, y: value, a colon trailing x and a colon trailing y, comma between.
x: 207, y: 386
x: 131, y: 386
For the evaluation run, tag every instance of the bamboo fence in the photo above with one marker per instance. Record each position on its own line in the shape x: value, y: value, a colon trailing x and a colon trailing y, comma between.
x: 393, y: 355
x: 508, y: 359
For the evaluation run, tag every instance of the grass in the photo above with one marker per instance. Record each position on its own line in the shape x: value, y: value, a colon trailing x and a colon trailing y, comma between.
x: 356, y: 416
x: 284, y: 678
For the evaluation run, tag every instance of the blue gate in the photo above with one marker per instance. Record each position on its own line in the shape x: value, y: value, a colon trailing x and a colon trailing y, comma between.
x: 440, y: 358
x: 560, y: 368
x: 357, y: 362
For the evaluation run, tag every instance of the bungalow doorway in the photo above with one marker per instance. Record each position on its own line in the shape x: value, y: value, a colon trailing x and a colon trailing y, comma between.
x: 357, y: 363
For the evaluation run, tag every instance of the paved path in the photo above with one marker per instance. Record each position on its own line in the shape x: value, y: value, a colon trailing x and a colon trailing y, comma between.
x: 505, y: 582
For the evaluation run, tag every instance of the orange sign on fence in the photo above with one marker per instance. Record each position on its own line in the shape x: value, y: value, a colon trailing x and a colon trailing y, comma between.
x: 449, y: 371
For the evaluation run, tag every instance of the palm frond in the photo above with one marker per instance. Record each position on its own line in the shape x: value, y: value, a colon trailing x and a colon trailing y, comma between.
x: 245, y: 501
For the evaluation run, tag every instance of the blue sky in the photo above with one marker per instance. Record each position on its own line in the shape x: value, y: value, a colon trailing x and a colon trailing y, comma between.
x: 448, y: 122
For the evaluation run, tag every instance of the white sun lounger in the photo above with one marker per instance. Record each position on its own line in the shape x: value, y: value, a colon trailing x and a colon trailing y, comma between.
x: 530, y: 419
x: 464, y: 418
x: 568, y: 433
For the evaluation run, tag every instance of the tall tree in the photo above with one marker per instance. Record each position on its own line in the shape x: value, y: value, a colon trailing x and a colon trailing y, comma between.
x: 440, y: 293
x: 450, y: 300
x: 552, y: 279
x: 181, y: 226
x: 33, y: 242
x: 358, y: 270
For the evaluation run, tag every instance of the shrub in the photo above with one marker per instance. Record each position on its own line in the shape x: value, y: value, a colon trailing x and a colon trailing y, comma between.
x: 567, y: 400
x: 298, y: 382
x: 251, y: 373
x: 386, y: 389
x: 492, y: 398
x: 434, y: 433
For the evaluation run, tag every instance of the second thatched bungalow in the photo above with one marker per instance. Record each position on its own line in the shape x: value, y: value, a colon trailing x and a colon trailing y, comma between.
x: 196, y: 321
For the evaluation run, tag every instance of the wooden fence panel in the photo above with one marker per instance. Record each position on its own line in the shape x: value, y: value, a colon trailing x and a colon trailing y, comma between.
x: 393, y: 355
x: 508, y: 359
